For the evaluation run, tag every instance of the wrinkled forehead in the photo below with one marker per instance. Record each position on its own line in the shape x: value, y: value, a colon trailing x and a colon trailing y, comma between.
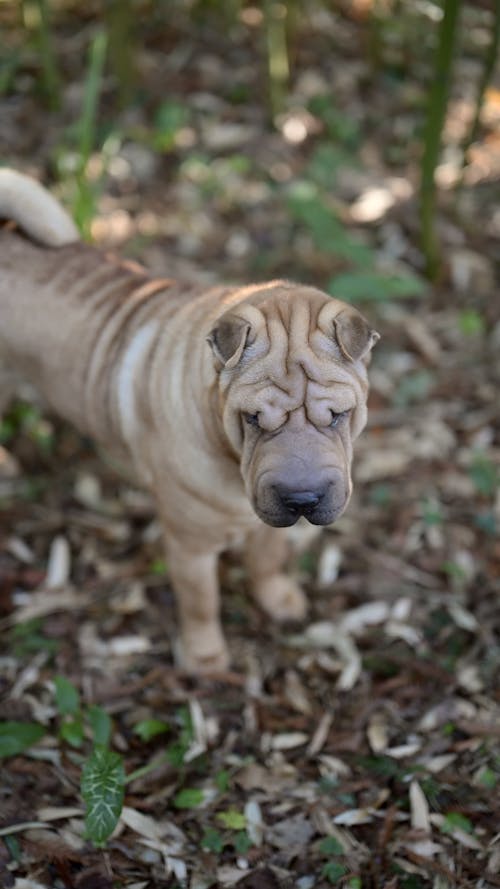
x: 289, y: 376
x: 294, y: 352
x: 294, y: 322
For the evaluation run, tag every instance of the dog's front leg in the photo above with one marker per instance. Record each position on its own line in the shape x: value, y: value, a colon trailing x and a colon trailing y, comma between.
x: 195, y: 582
x: 265, y: 558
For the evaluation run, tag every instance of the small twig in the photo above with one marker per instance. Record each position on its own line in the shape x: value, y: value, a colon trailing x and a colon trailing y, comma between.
x: 436, y: 867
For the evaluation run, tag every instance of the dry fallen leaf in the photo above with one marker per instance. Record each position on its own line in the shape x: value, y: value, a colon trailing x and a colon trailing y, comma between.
x: 419, y: 808
x: 59, y: 564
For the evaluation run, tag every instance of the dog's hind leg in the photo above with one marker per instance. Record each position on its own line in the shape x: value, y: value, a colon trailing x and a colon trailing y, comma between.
x: 265, y: 558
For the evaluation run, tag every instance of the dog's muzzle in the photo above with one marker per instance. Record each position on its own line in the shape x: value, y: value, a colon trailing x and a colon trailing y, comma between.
x: 281, y: 505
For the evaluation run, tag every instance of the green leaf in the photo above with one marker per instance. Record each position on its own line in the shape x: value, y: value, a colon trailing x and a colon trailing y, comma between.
x: 13, y: 847
x: 232, y: 819
x: 454, y: 570
x: 222, y: 780
x: 432, y: 514
x: 340, y: 126
x: 331, y: 846
x: 67, y: 697
x: 15, y: 737
x: 101, y: 726
x: 487, y: 778
x: 175, y: 754
x: 150, y: 728
x: 188, y: 798
x: 326, y: 162
x: 486, y: 521
x: 327, y: 231
x: 169, y: 119
x: 484, y: 474
x: 411, y: 881
x: 158, y: 567
x: 382, y: 765
x: 334, y: 871
x: 212, y: 841
x: 242, y: 842
x: 381, y: 494
x: 72, y: 731
x: 471, y: 323
x: 27, y: 638
x: 455, y: 819
x: 102, y: 787
x: 413, y: 388
x: 374, y: 286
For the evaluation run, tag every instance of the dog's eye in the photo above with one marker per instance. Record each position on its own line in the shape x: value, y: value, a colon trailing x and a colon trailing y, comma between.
x: 336, y: 418
x: 251, y: 419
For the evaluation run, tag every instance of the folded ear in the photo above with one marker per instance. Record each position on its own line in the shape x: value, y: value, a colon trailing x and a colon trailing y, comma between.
x: 354, y: 335
x: 228, y: 340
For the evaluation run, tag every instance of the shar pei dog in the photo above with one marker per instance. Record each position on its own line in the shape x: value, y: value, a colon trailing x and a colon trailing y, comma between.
x: 237, y: 407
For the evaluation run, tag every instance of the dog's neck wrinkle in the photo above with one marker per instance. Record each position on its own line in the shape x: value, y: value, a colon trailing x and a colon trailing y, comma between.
x: 119, y: 336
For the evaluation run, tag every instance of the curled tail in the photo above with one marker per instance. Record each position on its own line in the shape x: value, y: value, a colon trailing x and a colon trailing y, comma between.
x: 35, y: 211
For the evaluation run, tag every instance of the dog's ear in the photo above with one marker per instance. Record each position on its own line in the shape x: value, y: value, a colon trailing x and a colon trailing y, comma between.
x: 354, y: 335
x: 228, y: 340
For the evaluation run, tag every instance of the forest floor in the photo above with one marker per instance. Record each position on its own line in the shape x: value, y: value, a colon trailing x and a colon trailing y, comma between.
x: 359, y: 749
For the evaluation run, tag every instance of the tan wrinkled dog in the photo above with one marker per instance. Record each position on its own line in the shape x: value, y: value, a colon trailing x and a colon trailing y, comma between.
x: 236, y: 407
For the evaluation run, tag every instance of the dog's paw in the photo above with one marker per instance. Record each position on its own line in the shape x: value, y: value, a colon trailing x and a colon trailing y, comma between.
x: 281, y: 598
x: 201, y: 655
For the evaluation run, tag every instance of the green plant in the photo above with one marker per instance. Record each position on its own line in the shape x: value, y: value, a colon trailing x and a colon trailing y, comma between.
x: 36, y: 16
x: 27, y: 638
x: 103, y: 790
x: 414, y: 388
x: 436, y: 112
x: 275, y: 27
x: 73, y: 161
x: 233, y: 833
x: 341, y: 129
x: 120, y: 26
x: 16, y: 737
x: 373, y: 286
x: 330, y: 236
x: 103, y: 773
x: 24, y: 418
x: 334, y: 869
x: 9, y: 64
x: 312, y: 204
x: 489, y: 64
x: 148, y: 729
x: 484, y: 474
x: 454, y: 821
x: 471, y: 323
x: 170, y: 117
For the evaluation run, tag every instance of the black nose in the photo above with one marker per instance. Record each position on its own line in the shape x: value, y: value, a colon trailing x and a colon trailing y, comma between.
x: 301, y: 502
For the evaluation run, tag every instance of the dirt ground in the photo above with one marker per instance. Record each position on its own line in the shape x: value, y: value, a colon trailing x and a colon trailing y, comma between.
x: 362, y: 748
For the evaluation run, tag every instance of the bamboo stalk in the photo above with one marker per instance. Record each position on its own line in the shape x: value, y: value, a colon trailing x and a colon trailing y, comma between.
x: 436, y: 112
x: 490, y: 61
x: 119, y: 17
x: 93, y: 84
x: 36, y: 16
x: 275, y: 19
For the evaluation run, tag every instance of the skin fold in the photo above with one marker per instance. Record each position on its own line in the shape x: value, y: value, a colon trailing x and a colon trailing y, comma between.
x: 237, y: 407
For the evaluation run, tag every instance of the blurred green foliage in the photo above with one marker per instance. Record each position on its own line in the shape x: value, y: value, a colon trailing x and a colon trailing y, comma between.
x: 403, y: 41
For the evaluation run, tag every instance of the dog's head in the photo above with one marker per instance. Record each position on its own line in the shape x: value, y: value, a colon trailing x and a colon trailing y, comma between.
x: 292, y: 389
